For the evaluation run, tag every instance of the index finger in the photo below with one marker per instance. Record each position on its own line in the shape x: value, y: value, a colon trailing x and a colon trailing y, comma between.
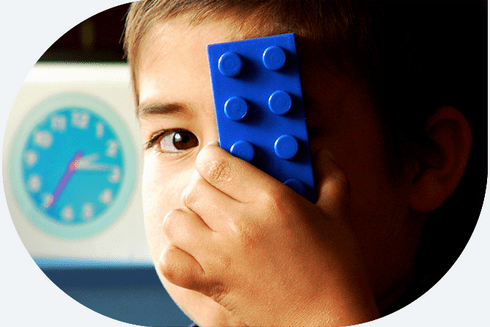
x: 237, y: 178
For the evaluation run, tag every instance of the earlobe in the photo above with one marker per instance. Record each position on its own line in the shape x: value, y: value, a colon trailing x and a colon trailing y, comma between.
x: 442, y: 165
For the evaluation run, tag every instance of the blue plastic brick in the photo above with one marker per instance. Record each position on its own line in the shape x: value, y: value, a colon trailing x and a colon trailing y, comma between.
x: 259, y: 107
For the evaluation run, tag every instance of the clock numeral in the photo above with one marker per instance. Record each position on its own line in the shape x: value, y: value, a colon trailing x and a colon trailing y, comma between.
x: 106, y: 196
x: 31, y: 158
x: 115, y: 176
x: 43, y: 139
x: 34, y: 183
x: 80, y: 119
x: 99, y: 130
x: 112, y: 148
x: 47, y: 200
x: 67, y: 213
x: 87, y: 211
x: 58, y: 123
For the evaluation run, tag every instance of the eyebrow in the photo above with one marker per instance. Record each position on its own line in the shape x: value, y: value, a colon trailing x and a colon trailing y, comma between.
x: 160, y: 109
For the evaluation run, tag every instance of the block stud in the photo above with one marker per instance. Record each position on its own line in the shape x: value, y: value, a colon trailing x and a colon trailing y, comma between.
x: 243, y: 150
x: 274, y: 58
x: 280, y: 102
x: 236, y: 108
x: 230, y: 64
x: 286, y: 146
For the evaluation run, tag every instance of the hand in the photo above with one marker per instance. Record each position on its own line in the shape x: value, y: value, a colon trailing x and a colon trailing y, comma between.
x: 262, y: 251
x: 87, y: 163
x: 70, y: 169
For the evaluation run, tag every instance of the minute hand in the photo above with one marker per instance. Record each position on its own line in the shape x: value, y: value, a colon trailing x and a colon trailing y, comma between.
x: 94, y: 166
x: 87, y: 163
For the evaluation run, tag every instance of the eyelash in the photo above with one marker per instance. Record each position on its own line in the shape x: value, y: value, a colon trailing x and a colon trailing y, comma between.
x: 156, y: 138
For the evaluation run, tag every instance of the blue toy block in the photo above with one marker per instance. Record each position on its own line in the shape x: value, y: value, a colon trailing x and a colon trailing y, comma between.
x: 259, y: 107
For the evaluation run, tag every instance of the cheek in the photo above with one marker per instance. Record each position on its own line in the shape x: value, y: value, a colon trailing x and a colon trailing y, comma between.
x: 162, y: 187
x: 367, y: 172
x: 373, y: 197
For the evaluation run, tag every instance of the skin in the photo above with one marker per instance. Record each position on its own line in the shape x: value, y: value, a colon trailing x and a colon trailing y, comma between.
x: 235, y: 247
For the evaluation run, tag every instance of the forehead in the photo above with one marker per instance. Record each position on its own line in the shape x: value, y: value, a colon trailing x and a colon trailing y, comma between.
x: 173, y: 53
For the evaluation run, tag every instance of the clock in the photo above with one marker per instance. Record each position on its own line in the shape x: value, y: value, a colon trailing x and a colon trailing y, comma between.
x: 73, y: 166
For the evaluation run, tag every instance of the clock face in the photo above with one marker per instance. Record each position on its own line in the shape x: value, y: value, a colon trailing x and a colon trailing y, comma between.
x: 74, y: 169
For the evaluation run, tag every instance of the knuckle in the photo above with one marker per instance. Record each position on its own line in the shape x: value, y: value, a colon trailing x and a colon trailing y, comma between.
x: 167, y: 265
x: 273, y: 199
x: 344, y: 183
x: 219, y: 170
x: 180, y: 269
x: 187, y: 197
x: 224, y: 261
x: 175, y: 270
x: 340, y: 183
x: 279, y: 207
x: 249, y: 234
x: 192, y: 195
x: 249, y: 239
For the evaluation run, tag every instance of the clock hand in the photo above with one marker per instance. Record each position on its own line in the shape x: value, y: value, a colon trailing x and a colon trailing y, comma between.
x: 87, y: 163
x: 97, y: 167
x: 89, y: 158
x: 70, y: 169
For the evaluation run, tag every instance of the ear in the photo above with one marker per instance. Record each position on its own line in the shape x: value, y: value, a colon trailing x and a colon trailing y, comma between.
x: 442, y: 165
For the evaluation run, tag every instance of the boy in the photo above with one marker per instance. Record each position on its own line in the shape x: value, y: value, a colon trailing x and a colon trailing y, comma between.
x: 233, y: 246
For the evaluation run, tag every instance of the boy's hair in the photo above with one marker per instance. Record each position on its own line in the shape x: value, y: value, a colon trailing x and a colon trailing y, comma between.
x: 329, y: 23
x: 413, y: 57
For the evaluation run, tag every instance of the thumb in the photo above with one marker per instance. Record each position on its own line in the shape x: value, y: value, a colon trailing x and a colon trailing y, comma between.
x: 332, y: 186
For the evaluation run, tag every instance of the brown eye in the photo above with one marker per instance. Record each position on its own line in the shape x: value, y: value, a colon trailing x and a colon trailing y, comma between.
x: 178, y: 141
x: 184, y: 140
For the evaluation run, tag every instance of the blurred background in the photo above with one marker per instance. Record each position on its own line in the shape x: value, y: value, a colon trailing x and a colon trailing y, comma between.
x: 108, y: 268
x: 95, y: 40
x: 84, y: 228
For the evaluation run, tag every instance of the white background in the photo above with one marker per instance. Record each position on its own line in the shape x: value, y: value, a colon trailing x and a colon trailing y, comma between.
x: 27, y: 29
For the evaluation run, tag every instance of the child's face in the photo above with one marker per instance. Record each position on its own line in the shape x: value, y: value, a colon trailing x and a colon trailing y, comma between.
x: 175, y: 95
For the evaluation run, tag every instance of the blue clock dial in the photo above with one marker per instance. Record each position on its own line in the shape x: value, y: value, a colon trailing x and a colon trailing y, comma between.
x: 72, y: 165
x: 76, y: 166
